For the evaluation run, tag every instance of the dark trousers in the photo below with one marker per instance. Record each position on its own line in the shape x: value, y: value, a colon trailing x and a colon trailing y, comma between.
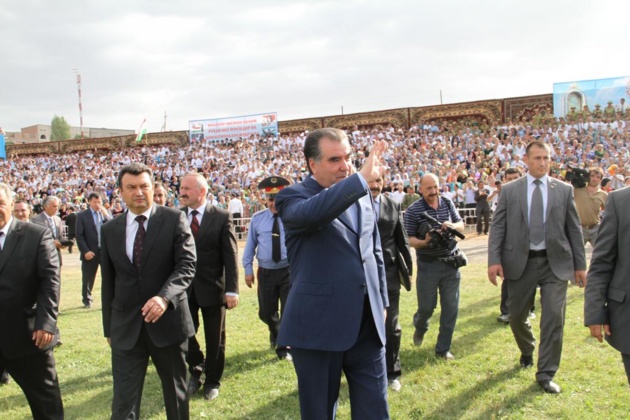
x: 273, y: 286
x: 503, y: 307
x: 88, y: 276
x: 626, y: 364
x: 483, y: 215
x: 319, y: 376
x: 214, y: 331
x: 553, y: 294
x: 37, y: 376
x: 470, y: 219
x: 433, y: 278
x: 393, y: 332
x: 129, y: 369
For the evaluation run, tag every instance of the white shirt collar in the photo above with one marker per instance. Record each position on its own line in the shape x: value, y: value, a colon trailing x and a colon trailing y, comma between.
x: 199, y: 209
x: 543, y: 179
x: 7, y: 225
x: 131, y: 217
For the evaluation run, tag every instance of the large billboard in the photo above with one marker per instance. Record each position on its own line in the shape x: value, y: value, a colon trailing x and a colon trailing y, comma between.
x: 607, y: 96
x: 219, y: 129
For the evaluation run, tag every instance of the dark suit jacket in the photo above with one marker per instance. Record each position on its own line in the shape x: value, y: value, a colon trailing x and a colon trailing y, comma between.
x: 508, y: 243
x: 87, y: 236
x: 217, y: 255
x: 71, y: 221
x: 332, y: 265
x: 606, y: 296
x: 29, y: 288
x: 42, y: 220
x: 482, y: 202
x: 394, y: 241
x: 168, y: 267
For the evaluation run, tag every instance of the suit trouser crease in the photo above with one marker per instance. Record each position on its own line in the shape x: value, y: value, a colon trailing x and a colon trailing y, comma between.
x: 432, y: 278
x: 214, y: 330
x: 553, y: 292
x: 129, y: 369
x: 88, y: 278
x: 483, y: 215
x: 393, y: 333
x: 626, y: 364
x: 37, y: 376
x: 273, y: 286
x: 364, y: 367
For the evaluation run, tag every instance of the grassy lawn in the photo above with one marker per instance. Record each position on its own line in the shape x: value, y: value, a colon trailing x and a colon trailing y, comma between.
x: 485, y: 382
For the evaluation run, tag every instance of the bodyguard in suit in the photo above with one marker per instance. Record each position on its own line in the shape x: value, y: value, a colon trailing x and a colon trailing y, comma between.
x: 29, y: 304
x: 606, y: 304
x: 215, y: 285
x: 398, y: 266
x: 48, y: 218
x: 482, y: 208
x: 71, y: 222
x: 147, y: 264
x: 536, y: 240
x: 88, y: 232
x: 265, y: 239
x: 334, y: 320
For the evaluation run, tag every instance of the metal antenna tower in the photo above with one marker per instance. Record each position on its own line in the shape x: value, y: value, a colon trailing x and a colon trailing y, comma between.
x: 80, y: 100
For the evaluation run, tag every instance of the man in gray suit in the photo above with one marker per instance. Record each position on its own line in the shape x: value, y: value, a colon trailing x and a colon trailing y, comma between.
x: 536, y: 240
x: 48, y: 218
x: 606, y: 306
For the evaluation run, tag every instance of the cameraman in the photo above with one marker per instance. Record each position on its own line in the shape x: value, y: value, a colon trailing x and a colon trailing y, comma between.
x: 590, y: 200
x: 439, y: 260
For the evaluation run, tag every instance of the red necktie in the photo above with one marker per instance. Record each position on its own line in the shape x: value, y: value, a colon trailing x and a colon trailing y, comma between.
x: 194, y: 223
x: 139, y: 242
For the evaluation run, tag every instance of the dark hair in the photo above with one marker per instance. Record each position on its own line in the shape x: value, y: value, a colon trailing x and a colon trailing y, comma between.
x: 311, y: 144
x: 605, y: 181
x: 510, y: 171
x: 536, y: 143
x: 93, y: 195
x: 134, y: 169
x: 20, y: 201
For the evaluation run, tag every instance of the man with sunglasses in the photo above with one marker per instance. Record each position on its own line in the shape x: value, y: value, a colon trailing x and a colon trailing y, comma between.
x: 265, y: 239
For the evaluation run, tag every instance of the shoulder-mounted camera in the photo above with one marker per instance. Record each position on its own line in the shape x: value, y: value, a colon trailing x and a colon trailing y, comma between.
x: 578, y: 177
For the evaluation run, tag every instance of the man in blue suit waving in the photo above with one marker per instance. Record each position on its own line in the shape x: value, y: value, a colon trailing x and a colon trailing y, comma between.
x: 334, y: 320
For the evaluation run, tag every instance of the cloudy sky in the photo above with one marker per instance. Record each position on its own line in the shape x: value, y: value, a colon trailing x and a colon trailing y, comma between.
x: 209, y: 59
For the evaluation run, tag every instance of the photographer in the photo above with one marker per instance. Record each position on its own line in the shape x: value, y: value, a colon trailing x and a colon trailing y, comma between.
x: 590, y: 200
x: 439, y: 260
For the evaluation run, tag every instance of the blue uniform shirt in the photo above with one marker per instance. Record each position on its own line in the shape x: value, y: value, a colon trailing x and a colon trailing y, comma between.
x: 259, y: 237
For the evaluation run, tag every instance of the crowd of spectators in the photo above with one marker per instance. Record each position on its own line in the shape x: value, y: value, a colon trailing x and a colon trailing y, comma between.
x: 460, y: 155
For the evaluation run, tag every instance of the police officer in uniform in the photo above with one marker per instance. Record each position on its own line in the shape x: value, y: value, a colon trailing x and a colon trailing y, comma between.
x: 265, y: 239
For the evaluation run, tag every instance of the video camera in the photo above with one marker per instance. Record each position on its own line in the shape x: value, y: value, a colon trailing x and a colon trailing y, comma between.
x: 439, y: 238
x: 578, y: 177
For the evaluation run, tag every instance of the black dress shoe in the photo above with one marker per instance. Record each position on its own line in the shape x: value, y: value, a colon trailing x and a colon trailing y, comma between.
x: 417, y: 338
x: 194, y: 383
x: 526, y: 361
x: 549, y: 386
x: 4, y: 378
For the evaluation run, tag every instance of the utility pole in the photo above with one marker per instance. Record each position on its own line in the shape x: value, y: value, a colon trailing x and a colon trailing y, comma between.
x: 80, y: 101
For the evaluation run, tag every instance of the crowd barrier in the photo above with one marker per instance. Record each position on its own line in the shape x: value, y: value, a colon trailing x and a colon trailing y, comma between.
x: 469, y: 216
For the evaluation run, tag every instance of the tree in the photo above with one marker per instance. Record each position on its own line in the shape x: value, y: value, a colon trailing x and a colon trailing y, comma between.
x: 59, y: 129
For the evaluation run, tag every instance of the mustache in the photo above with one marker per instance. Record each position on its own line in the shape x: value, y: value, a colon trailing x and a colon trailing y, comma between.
x: 375, y: 189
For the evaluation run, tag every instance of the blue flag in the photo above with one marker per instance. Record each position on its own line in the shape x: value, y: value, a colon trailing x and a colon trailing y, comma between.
x: 3, y: 149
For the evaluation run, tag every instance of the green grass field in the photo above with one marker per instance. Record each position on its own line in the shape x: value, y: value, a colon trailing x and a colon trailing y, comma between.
x: 485, y: 382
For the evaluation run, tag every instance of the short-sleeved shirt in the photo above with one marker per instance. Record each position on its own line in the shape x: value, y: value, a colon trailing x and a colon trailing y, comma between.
x: 445, y: 212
